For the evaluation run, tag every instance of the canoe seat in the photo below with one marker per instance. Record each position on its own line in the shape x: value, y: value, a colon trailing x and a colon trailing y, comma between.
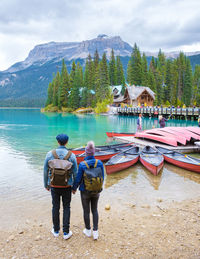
x: 152, y: 152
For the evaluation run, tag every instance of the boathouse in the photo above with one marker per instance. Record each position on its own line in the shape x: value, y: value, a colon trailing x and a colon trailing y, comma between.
x: 136, y: 95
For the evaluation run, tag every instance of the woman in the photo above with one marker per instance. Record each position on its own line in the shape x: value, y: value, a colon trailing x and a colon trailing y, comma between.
x: 139, y: 123
x: 162, y: 121
x: 89, y: 197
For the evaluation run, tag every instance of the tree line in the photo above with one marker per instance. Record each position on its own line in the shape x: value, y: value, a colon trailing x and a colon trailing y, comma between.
x: 172, y: 80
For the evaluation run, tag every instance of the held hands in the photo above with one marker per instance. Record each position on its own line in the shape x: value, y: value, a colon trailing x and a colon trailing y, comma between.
x: 47, y: 188
x: 73, y: 191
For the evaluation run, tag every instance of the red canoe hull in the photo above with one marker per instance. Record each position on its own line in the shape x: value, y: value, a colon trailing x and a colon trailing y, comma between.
x: 152, y: 168
x: 118, y: 167
x: 187, y: 166
x: 115, y: 134
x: 166, y: 140
x: 101, y: 157
x: 80, y: 151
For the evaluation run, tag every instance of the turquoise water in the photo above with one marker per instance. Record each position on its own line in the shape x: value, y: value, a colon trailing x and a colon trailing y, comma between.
x: 26, y: 135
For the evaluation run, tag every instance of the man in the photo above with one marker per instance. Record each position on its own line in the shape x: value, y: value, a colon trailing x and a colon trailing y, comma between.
x: 58, y: 192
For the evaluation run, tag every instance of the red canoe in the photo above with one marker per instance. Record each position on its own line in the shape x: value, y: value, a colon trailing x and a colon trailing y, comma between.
x: 122, y: 160
x: 181, y: 160
x: 165, y: 132
x: 196, y: 130
x: 152, y: 160
x: 81, y: 150
x: 119, y: 134
x: 167, y: 140
x: 185, y: 132
x: 103, y: 155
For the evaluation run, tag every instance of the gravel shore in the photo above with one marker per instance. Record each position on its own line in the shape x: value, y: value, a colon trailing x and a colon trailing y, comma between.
x: 126, y: 231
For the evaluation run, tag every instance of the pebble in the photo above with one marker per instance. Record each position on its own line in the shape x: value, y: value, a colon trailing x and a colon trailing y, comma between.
x: 107, y: 207
x: 38, y: 238
x: 12, y: 237
x: 146, y: 206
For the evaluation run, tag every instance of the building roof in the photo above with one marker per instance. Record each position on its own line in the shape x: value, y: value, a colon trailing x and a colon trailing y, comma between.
x: 120, y: 99
x: 135, y: 91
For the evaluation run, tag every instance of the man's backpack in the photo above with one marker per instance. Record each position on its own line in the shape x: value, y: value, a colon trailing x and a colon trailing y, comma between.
x: 93, y: 178
x: 60, y: 170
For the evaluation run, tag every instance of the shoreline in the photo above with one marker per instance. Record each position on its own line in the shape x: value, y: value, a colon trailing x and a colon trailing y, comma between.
x: 127, y: 230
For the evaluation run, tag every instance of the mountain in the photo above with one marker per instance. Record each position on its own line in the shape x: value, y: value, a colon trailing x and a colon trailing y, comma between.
x: 25, y: 83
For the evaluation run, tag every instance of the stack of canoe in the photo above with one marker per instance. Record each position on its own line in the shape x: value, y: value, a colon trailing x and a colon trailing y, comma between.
x: 172, y: 136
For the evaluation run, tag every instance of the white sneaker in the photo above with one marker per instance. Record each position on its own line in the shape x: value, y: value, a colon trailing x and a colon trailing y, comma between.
x: 95, y: 234
x: 67, y: 235
x: 87, y: 232
x: 55, y: 233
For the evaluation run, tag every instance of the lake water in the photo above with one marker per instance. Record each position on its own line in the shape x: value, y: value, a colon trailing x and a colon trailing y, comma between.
x: 26, y: 135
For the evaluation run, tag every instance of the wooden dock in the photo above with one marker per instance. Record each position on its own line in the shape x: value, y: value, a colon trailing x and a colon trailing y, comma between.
x: 177, y: 113
x: 144, y: 142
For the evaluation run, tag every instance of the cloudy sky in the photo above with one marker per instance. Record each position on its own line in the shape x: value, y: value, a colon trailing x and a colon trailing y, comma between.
x: 152, y: 24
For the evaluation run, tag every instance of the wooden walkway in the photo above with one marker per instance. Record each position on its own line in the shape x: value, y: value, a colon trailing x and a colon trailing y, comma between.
x: 177, y: 113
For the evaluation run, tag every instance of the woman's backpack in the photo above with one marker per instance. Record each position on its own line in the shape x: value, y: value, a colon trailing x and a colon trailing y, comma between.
x: 93, y: 177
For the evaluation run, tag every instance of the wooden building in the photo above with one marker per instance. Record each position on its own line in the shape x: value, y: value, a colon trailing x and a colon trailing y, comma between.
x: 136, y: 95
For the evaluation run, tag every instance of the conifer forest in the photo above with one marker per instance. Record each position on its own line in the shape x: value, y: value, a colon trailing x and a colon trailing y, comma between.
x: 172, y: 80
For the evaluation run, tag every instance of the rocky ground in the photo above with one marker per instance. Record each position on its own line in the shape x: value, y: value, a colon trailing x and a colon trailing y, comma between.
x: 129, y: 231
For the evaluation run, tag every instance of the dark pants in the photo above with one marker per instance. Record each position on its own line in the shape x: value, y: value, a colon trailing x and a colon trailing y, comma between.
x: 88, y: 200
x: 66, y: 194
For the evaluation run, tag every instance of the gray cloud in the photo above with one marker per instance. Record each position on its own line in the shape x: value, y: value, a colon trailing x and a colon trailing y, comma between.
x: 152, y: 24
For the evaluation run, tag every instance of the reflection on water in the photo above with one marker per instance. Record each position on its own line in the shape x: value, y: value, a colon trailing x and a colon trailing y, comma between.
x: 114, y: 178
x: 27, y: 135
x: 187, y: 175
x: 154, y: 180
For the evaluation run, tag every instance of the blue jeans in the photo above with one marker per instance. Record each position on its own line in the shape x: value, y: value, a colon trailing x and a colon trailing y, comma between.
x: 90, y: 200
x: 66, y: 194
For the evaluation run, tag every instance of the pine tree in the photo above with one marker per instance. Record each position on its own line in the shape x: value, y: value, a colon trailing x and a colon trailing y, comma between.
x: 64, y: 87
x: 187, y: 90
x: 168, y: 81
x: 49, y: 94
x: 56, y: 85
x: 120, y: 78
x: 76, y: 86
x: 174, y: 88
x: 181, y: 66
x: 144, y: 81
x: 196, y: 86
x: 104, y: 80
x: 72, y: 73
x: 112, y: 69
x: 134, y: 70
x: 96, y: 59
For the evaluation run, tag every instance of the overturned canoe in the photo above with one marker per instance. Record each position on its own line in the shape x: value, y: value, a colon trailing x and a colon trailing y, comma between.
x: 163, y: 139
x: 152, y: 159
x: 168, y: 133
x: 119, y: 134
x: 185, y: 161
x: 122, y: 160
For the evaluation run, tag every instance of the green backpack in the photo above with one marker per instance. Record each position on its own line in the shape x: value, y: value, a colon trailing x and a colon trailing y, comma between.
x: 93, y: 178
x: 61, y: 170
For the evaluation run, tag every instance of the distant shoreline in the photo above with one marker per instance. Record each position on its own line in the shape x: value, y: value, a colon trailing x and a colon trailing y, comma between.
x: 30, y: 108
